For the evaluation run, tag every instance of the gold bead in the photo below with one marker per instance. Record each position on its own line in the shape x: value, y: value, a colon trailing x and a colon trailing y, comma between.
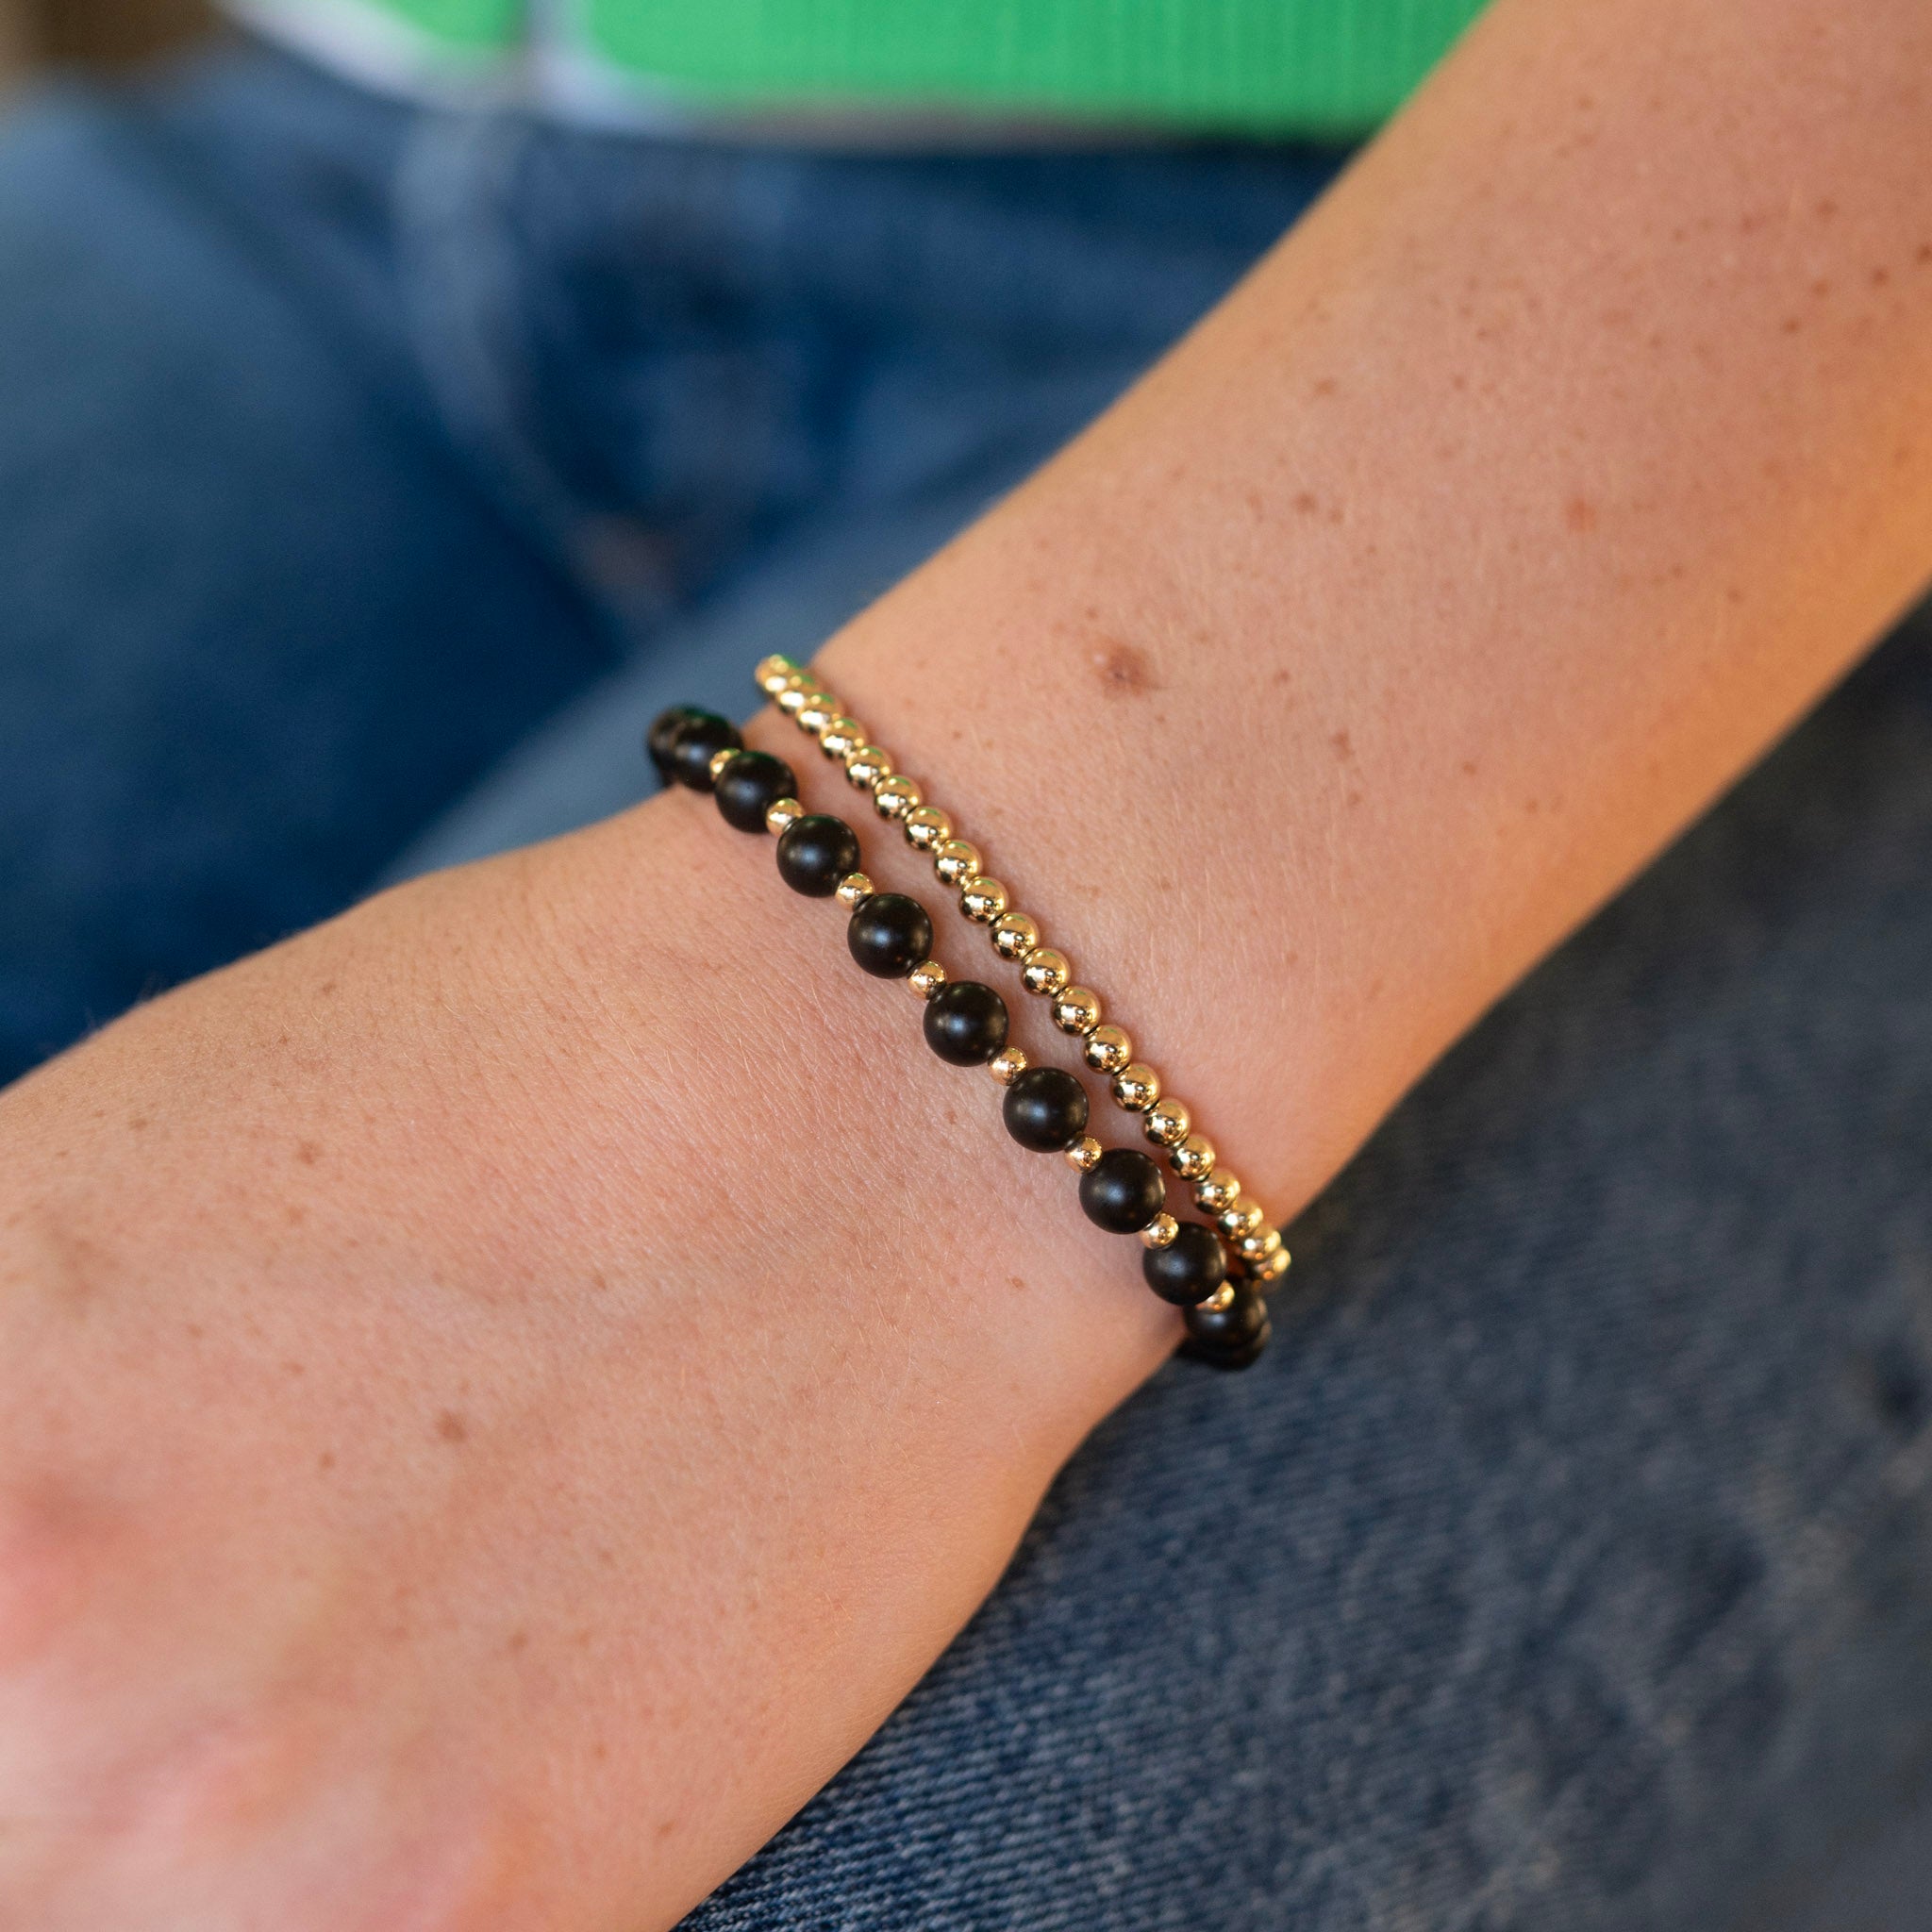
x: 782, y: 813
x: 1160, y: 1231
x: 983, y: 900
x: 1014, y: 935
x: 720, y: 758
x: 1006, y: 1065
x: 894, y: 797
x: 841, y: 737
x: 853, y: 887
x: 926, y: 978
x: 866, y: 766
x: 1085, y: 1153
x: 1258, y: 1243
x: 774, y: 672
x: 1077, y: 1009
x: 1273, y: 1267
x: 1135, y: 1088
x: 956, y: 861
x: 798, y: 691
x: 1167, y: 1124
x: 927, y: 829
x: 817, y: 713
x: 1193, y: 1159
x: 1240, y: 1217
x: 1045, y: 972
x: 1223, y: 1297
x: 1106, y: 1049
x: 1217, y: 1191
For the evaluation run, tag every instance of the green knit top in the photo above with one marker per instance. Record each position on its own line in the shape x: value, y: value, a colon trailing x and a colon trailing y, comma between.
x: 1257, y: 67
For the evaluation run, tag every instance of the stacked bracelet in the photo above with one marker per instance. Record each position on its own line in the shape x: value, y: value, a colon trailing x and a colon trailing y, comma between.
x: 1046, y: 1108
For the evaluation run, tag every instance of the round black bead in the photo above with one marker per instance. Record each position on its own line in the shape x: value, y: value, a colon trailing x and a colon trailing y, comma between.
x: 1189, y: 1268
x: 888, y: 934
x: 815, y: 853
x: 1229, y: 1337
x: 1122, y: 1191
x: 1046, y: 1109
x: 662, y: 739
x: 750, y: 785
x: 696, y: 743
x: 966, y: 1022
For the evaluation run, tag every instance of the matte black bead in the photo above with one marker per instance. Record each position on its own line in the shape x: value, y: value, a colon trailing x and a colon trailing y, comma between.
x: 815, y: 853
x: 750, y: 785
x: 1229, y: 1337
x: 696, y: 743
x: 1189, y: 1268
x: 1122, y: 1191
x: 887, y: 933
x: 1046, y: 1109
x: 966, y: 1022
x: 662, y: 739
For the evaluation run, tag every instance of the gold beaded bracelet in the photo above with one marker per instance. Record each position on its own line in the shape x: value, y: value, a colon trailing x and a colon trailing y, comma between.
x: 1254, y: 1244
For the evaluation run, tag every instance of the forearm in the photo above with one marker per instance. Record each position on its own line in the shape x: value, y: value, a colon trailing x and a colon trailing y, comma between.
x: 1543, y: 475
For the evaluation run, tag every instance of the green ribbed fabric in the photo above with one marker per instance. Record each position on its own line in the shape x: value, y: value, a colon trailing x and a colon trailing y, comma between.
x: 1261, y: 66
x: 474, y: 26
x: 1241, y: 66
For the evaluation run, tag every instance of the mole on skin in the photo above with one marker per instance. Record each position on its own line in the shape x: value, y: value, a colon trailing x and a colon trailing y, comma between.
x: 1124, y: 671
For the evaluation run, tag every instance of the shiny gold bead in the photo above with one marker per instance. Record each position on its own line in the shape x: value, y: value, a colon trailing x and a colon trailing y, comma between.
x: 1272, y: 1268
x: 983, y: 900
x: 1045, y: 972
x: 1006, y: 1065
x: 866, y: 766
x: 853, y: 887
x: 817, y: 713
x: 893, y: 798
x: 1221, y: 1297
x: 1193, y: 1159
x: 1135, y: 1088
x: 1257, y: 1244
x: 1077, y: 1009
x: 1167, y: 1124
x: 841, y: 737
x: 1014, y: 935
x: 1240, y: 1217
x: 927, y: 829
x: 1085, y: 1153
x: 774, y: 672
x: 1217, y: 1191
x: 1160, y: 1231
x: 1108, y: 1049
x: 926, y: 978
x: 720, y: 758
x: 798, y: 691
x: 782, y: 813
x: 956, y: 861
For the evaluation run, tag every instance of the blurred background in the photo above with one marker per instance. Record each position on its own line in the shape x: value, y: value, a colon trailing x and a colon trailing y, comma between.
x: 93, y: 32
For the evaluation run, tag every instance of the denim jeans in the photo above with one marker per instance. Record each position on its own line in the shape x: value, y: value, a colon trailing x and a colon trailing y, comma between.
x: 368, y: 475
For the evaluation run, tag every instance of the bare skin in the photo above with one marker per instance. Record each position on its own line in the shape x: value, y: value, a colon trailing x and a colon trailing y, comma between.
x: 501, y: 1395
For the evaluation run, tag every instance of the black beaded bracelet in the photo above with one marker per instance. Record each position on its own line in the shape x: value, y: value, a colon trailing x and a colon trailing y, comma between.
x: 1046, y: 1108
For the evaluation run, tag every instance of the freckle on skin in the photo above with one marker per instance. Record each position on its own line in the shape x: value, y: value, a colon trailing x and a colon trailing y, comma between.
x: 308, y: 1151
x: 1580, y: 514
x: 452, y: 1427
x: 518, y: 1639
x: 1344, y: 747
x: 1124, y: 671
x: 1468, y: 768
x: 326, y: 1460
x: 1306, y: 502
x: 293, y: 1369
x: 1326, y: 387
x: 136, y: 1123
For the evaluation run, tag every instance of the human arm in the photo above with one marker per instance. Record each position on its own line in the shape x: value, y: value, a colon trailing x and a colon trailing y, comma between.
x: 556, y: 1359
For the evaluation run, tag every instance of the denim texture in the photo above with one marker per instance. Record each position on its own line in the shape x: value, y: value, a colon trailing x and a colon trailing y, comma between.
x: 371, y: 475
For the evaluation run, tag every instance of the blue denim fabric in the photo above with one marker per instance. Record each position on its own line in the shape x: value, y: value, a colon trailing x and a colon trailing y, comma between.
x: 1568, y: 1563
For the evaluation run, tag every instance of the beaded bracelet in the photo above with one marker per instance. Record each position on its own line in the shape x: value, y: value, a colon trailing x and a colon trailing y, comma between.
x: 1255, y: 1242
x: 1044, y: 1108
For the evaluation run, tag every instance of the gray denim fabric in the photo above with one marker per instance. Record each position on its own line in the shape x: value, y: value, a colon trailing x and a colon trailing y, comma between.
x: 1568, y: 1562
